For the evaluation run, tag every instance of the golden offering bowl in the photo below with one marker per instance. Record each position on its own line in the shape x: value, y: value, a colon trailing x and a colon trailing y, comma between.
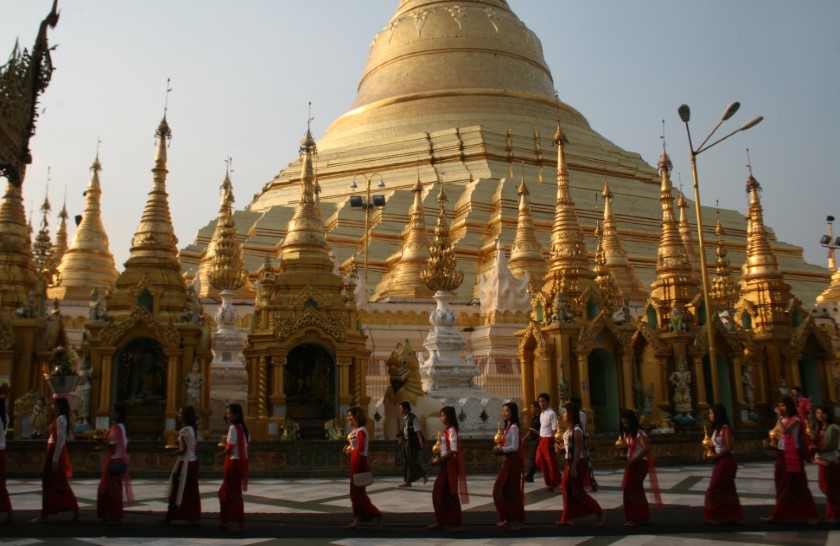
x: 773, y: 437
x: 222, y: 441
x: 436, y: 450
x: 620, y: 447
x: 708, y: 445
x: 499, y: 437
x: 172, y: 442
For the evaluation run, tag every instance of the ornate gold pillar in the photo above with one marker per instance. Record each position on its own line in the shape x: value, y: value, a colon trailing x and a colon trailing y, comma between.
x: 700, y: 383
x: 583, y: 383
x: 526, y: 363
x: 627, y: 372
x: 106, y: 379
x: 344, y: 393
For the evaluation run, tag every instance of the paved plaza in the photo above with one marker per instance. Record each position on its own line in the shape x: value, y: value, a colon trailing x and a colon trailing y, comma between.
x: 313, y: 511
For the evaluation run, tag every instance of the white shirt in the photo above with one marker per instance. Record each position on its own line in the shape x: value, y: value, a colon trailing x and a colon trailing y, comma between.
x: 233, y: 439
x: 187, y: 436
x: 61, y: 431
x: 567, y: 439
x: 719, y: 440
x: 548, y: 423
x: 116, y: 442
x: 354, y: 442
x: 794, y: 432
x: 511, y: 439
x: 453, y: 442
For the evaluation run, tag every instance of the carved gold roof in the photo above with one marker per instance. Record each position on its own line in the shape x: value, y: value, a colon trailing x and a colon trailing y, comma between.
x: 88, y: 263
x: 674, y: 285
x: 226, y: 268
x: 568, y: 245
x: 403, y: 279
x: 832, y: 293
x: 621, y: 269
x: 17, y: 270
x: 441, y: 274
x: 526, y: 254
x: 305, y: 246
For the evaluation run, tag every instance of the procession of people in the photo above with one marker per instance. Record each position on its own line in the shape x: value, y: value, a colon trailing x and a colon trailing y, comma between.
x: 794, y: 501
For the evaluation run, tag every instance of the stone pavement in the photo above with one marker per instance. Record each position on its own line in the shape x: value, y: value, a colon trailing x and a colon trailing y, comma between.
x: 313, y: 511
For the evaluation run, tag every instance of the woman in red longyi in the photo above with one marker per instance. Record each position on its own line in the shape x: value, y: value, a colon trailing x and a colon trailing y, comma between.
x: 639, y: 465
x: 115, y: 477
x: 231, y: 503
x: 363, y: 508
x: 577, y: 503
x: 508, y: 490
x: 722, y: 504
x: 184, y: 498
x: 56, y: 494
x: 794, y: 501
x: 450, y: 488
x: 828, y: 440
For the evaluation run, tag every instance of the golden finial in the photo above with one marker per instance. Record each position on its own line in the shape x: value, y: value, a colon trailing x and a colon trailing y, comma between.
x: 441, y: 274
x: 724, y: 291
x: 227, y: 269
x: 526, y: 253
x: 610, y: 293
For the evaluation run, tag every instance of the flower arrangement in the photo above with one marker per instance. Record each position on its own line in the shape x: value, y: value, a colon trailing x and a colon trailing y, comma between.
x: 61, y: 373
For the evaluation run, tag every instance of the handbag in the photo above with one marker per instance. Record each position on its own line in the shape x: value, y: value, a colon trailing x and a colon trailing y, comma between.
x: 362, y: 479
x: 117, y: 468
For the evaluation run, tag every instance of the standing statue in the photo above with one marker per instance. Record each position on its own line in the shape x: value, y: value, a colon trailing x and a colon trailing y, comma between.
x: 194, y: 381
x: 749, y: 387
x: 784, y: 390
x: 39, y: 419
x: 680, y: 379
x: 83, y: 389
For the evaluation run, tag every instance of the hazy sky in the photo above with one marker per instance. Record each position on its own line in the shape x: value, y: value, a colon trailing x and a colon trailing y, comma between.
x: 243, y: 72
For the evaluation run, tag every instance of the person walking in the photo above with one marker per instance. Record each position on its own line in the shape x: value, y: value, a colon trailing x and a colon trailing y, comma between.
x: 508, y: 490
x: 184, y: 498
x: 828, y: 440
x: 235, y: 481
x: 546, y: 451
x: 413, y: 442
x: 56, y: 495
x: 115, y: 476
x: 532, y: 441
x: 450, y: 489
x: 577, y: 503
x: 360, y: 475
x: 5, y: 501
x: 639, y: 465
x: 794, y: 501
x: 722, y: 504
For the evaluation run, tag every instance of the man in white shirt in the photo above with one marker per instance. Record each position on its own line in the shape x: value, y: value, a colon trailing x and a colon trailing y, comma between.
x: 546, y: 456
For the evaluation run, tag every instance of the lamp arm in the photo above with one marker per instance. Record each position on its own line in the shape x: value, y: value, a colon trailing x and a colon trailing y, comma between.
x: 713, y: 131
x: 702, y: 149
x: 690, y: 146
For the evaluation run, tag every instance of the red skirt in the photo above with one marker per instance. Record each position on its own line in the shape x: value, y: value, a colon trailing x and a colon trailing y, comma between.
x: 636, y: 508
x: 363, y: 508
x: 5, y: 502
x: 507, y: 491
x: 231, y: 503
x: 576, y: 501
x: 190, y: 509
x: 56, y: 494
x: 446, y: 502
x: 109, y: 498
x: 547, y: 461
x: 722, y: 503
x: 793, y: 498
x: 829, y: 485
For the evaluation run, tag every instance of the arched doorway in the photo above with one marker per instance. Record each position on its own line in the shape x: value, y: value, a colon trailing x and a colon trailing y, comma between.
x: 603, y: 390
x: 140, y: 384
x: 810, y: 376
x: 310, y: 389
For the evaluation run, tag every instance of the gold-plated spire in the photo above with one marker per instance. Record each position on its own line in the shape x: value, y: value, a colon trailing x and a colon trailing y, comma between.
x: 305, y: 246
x: 724, y: 291
x: 611, y: 294
x: 60, y: 246
x: 568, y: 245
x: 685, y: 234
x: 227, y: 269
x: 762, y: 282
x: 17, y: 269
x: 87, y: 263
x: 441, y: 274
x: 42, y: 249
x: 674, y: 286
x: 621, y: 269
x: 404, y: 279
x: 526, y: 253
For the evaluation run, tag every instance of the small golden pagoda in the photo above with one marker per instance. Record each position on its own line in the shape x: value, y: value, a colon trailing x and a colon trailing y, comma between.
x: 60, y: 246
x: 688, y: 240
x: 306, y: 355
x: 619, y: 265
x: 526, y: 255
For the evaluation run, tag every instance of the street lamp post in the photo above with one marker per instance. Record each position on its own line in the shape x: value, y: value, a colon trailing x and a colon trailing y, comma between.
x: 366, y: 204
x: 830, y: 243
x: 685, y: 115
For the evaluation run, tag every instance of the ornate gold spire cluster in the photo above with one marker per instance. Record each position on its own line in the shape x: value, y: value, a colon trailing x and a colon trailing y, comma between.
x: 724, y: 292
x: 60, y: 246
x: 305, y: 245
x: 610, y: 293
x: 441, y: 274
x: 526, y: 254
x: 42, y: 249
x: 688, y: 241
x: 762, y: 282
x: 568, y: 245
x: 88, y: 262
x: 621, y: 269
x: 404, y: 280
x: 674, y: 285
x: 227, y: 269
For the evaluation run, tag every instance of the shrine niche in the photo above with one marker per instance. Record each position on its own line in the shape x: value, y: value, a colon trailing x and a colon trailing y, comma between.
x: 310, y: 383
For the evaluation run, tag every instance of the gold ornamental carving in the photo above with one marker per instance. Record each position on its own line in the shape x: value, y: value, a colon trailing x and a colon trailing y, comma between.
x: 7, y: 338
x: 286, y: 324
x: 112, y: 333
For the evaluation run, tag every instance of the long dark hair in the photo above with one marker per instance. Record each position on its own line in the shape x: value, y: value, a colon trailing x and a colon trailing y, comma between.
x: 359, y: 415
x: 451, y: 418
x: 829, y: 418
x: 64, y: 409
x: 239, y: 419
x: 188, y: 417
x: 3, y: 416
x: 119, y: 409
x: 572, y: 413
x: 514, y: 413
x: 790, y: 407
x: 721, y: 418
x: 632, y: 421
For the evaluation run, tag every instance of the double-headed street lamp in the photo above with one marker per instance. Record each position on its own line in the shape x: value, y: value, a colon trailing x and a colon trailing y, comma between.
x: 830, y: 243
x: 685, y: 114
x: 366, y: 204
